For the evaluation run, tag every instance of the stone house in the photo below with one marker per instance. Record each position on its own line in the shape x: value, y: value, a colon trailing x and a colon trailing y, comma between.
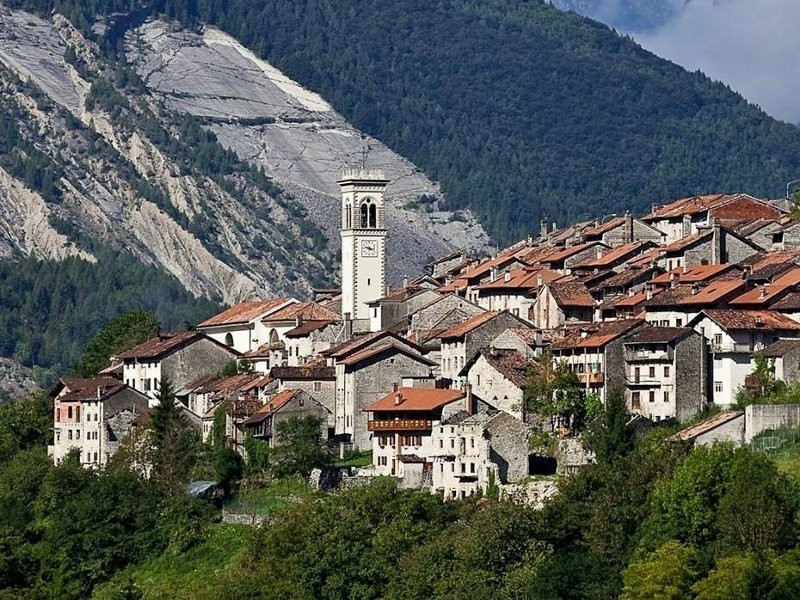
x: 291, y: 318
x: 768, y: 294
x: 709, y: 246
x: 733, y: 337
x: 393, y: 309
x: 623, y: 230
x: 564, y: 259
x: 461, y: 342
x: 263, y: 424
x: 611, y: 259
x: 515, y: 291
x: 725, y: 427
x: 784, y: 356
x: 473, y: 452
x: 181, y: 357
x: 92, y: 416
x: 425, y: 322
x: 365, y: 369
x: 679, y: 304
x: 666, y: 373
x: 560, y: 303
x: 308, y: 339
x: 446, y: 266
x: 595, y: 353
x: 499, y: 378
x: 402, y: 422
x: 526, y: 341
x: 240, y: 326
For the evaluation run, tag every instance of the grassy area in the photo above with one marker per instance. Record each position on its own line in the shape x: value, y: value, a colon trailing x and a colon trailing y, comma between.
x: 271, y: 498
x: 783, y: 446
x: 355, y: 460
x: 190, y: 575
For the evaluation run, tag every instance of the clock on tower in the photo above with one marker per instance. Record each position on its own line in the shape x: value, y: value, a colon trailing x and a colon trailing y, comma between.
x: 363, y: 234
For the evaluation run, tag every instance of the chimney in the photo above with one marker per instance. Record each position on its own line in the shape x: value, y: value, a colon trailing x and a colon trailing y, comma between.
x: 395, y: 387
x: 398, y: 398
x: 685, y: 267
x: 759, y: 321
x: 695, y: 288
x: 599, y: 252
x: 494, y: 273
x: 716, y: 242
x: 673, y: 279
x: 405, y: 281
x: 507, y: 276
x: 687, y: 225
x: 537, y: 338
x: 762, y: 293
x: 298, y: 320
x: 469, y: 404
x: 539, y: 279
x: 649, y: 293
x: 348, y: 327
x: 100, y: 390
x: 555, y: 226
x: 628, y: 226
x: 543, y: 228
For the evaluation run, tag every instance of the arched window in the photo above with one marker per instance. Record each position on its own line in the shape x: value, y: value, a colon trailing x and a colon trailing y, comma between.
x: 273, y: 337
x: 373, y: 216
x: 348, y: 217
x: 364, y: 219
x: 229, y: 339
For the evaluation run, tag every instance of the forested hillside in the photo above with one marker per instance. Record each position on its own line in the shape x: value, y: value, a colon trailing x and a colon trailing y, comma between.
x: 517, y: 108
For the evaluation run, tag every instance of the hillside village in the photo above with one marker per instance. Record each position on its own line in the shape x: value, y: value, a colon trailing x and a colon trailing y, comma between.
x: 672, y: 309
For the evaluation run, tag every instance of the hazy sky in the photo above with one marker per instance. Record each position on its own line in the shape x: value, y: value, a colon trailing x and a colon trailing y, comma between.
x: 751, y: 45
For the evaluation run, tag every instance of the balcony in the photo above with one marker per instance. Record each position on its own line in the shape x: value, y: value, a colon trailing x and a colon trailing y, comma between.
x: 647, y: 356
x: 596, y: 378
x: 644, y: 381
x: 730, y: 347
x: 400, y: 425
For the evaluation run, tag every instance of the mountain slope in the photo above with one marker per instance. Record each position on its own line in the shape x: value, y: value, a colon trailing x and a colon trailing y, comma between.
x: 517, y: 108
x: 625, y: 15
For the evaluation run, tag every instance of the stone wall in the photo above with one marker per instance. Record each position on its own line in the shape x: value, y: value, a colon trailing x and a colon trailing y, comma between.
x: 483, y: 336
x: 690, y: 376
x: 199, y: 358
x: 760, y: 417
x: 732, y: 431
x: 508, y: 443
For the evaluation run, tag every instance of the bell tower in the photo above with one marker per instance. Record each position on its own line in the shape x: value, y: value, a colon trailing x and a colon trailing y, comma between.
x: 363, y: 233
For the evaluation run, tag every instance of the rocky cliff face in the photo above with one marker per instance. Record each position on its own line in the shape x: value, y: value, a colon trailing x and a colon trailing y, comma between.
x: 134, y: 171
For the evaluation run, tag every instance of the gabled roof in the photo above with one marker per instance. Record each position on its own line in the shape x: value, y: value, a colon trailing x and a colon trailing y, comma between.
x: 695, y: 273
x: 524, y: 278
x: 571, y: 293
x: 780, y: 348
x: 599, y: 230
x: 509, y: 363
x: 626, y: 278
x: 357, y: 343
x: 688, y: 241
x: 714, y: 421
x: 415, y: 399
x: 694, y: 205
x: 87, y: 389
x: 462, y: 329
x: 593, y: 335
x: 307, y: 311
x: 307, y: 327
x: 279, y: 401
x: 766, y: 294
x: 304, y: 373
x: 389, y: 346
x: 565, y: 253
x: 614, y: 256
x: 244, y: 312
x: 167, y: 343
x: 632, y: 301
x: 696, y: 295
x: 731, y: 319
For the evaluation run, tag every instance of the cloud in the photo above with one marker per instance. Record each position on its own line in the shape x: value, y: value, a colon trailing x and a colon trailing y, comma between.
x: 751, y: 45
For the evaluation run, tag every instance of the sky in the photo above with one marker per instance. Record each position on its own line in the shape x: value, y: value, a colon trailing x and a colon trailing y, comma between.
x: 751, y: 45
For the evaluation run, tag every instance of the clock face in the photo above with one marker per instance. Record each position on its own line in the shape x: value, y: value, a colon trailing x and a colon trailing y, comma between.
x: 369, y: 248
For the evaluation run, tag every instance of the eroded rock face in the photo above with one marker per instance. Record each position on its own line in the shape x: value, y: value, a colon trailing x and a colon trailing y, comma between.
x: 228, y: 238
x: 295, y: 135
x: 15, y: 380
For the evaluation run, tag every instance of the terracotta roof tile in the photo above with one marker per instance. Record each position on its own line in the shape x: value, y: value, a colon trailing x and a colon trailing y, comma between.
x: 372, y: 351
x: 244, y: 312
x: 767, y: 294
x: 166, y: 343
x: 732, y: 319
x: 599, y: 230
x: 571, y: 294
x: 704, y: 426
x: 509, y: 363
x: 275, y: 404
x: 780, y: 348
x: 655, y: 335
x: 307, y: 327
x: 470, y: 324
x: 98, y: 388
x: 569, y: 251
x: 693, y: 273
x: 685, y: 242
x: 415, y: 400
x: 593, y: 335
x: 692, y: 205
x: 614, y: 256
x: 303, y: 373
x: 525, y: 278
x: 307, y: 311
x: 632, y: 301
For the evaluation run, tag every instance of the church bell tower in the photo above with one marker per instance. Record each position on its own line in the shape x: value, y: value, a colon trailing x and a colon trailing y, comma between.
x: 363, y: 240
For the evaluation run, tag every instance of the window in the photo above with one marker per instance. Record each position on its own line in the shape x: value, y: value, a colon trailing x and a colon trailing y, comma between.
x: 317, y: 386
x: 77, y: 434
x: 666, y: 396
x: 471, y: 442
x: 718, y: 339
x: 364, y: 218
x: 229, y: 339
x: 381, y: 461
x: 636, y: 402
x: 88, y: 417
x: 69, y: 434
x: 463, y: 468
x: 69, y: 412
x: 717, y: 386
x: 95, y: 457
x: 146, y: 385
x: 441, y: 443
x: 452, y: 443
x: 373, y: 216
x: 652, y: 372
x: 348, y: 217
x: 652, y: 395
x: 478, y: 379
x: 678, y: 322
x: 666, y: 371
x: 301, y: 401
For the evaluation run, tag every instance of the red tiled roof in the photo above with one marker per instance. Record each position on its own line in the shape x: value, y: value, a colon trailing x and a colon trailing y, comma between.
x: 714, y: 292
x: 415, y: 399
x: 571, y: 294
x: 522, y: 278
x: 764, y: 295
x: 307, y: 311
x: 632, y: 301
x: 244, y: 312
x: 356, y: 343
x: 689, y: 240
x: 599, y: 230
x: 565, y: 253
x: 693, y: 273
x: 732, y: 319
x: 691, y: 206
x: 470, y: 324
x: 277, y: 402
x: 613, y: 256
x: 307, y: 327
x: 166, y: 343
x: 509, y: 363
x: 81, y: 390
x: 303, y: 373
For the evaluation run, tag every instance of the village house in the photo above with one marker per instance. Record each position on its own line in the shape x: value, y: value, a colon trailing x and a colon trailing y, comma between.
x: 666, y: 372
x: 401, y: 423
x: 560, y: 303
x: 623, y: 230
x: 734, y: 336
x: 499, y: 378
x: 595, y: 353
x: 240, y: 326
x: 446, y: 266
x: 563, y: 259
x: 263, y: 424
x: 181, y: 357
x: 393, y: 309
x: 461, y: 342
x: 92, y: 417
x: 237, y: 410
x: 474, y: 452
x: 784, y: 357
x: 291, y: 318
x: 680, y: 303
x: 515, y: 291
x: 708, y: 246
x: 528, y: 342
x: 611, y: 259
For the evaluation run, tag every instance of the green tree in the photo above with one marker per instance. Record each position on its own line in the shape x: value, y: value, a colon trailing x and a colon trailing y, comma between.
x: 737, y: 577
x: 610, y: 436
x: 118, y: 335
x: 764, y: 386
x: 25, y: 423
x: 300, y: 446
x: 553, y: 392
x: 666, y: 574
x: 175, y: 443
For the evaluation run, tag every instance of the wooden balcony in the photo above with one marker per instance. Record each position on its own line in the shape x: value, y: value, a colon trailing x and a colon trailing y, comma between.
x: 592, y: 378
x: 400, y: 425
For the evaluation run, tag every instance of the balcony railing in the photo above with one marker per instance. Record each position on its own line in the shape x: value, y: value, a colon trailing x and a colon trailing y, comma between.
x: 731, y: 347
x: 591, y: 378
x: 400, y: 425
x: 645, y: 356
